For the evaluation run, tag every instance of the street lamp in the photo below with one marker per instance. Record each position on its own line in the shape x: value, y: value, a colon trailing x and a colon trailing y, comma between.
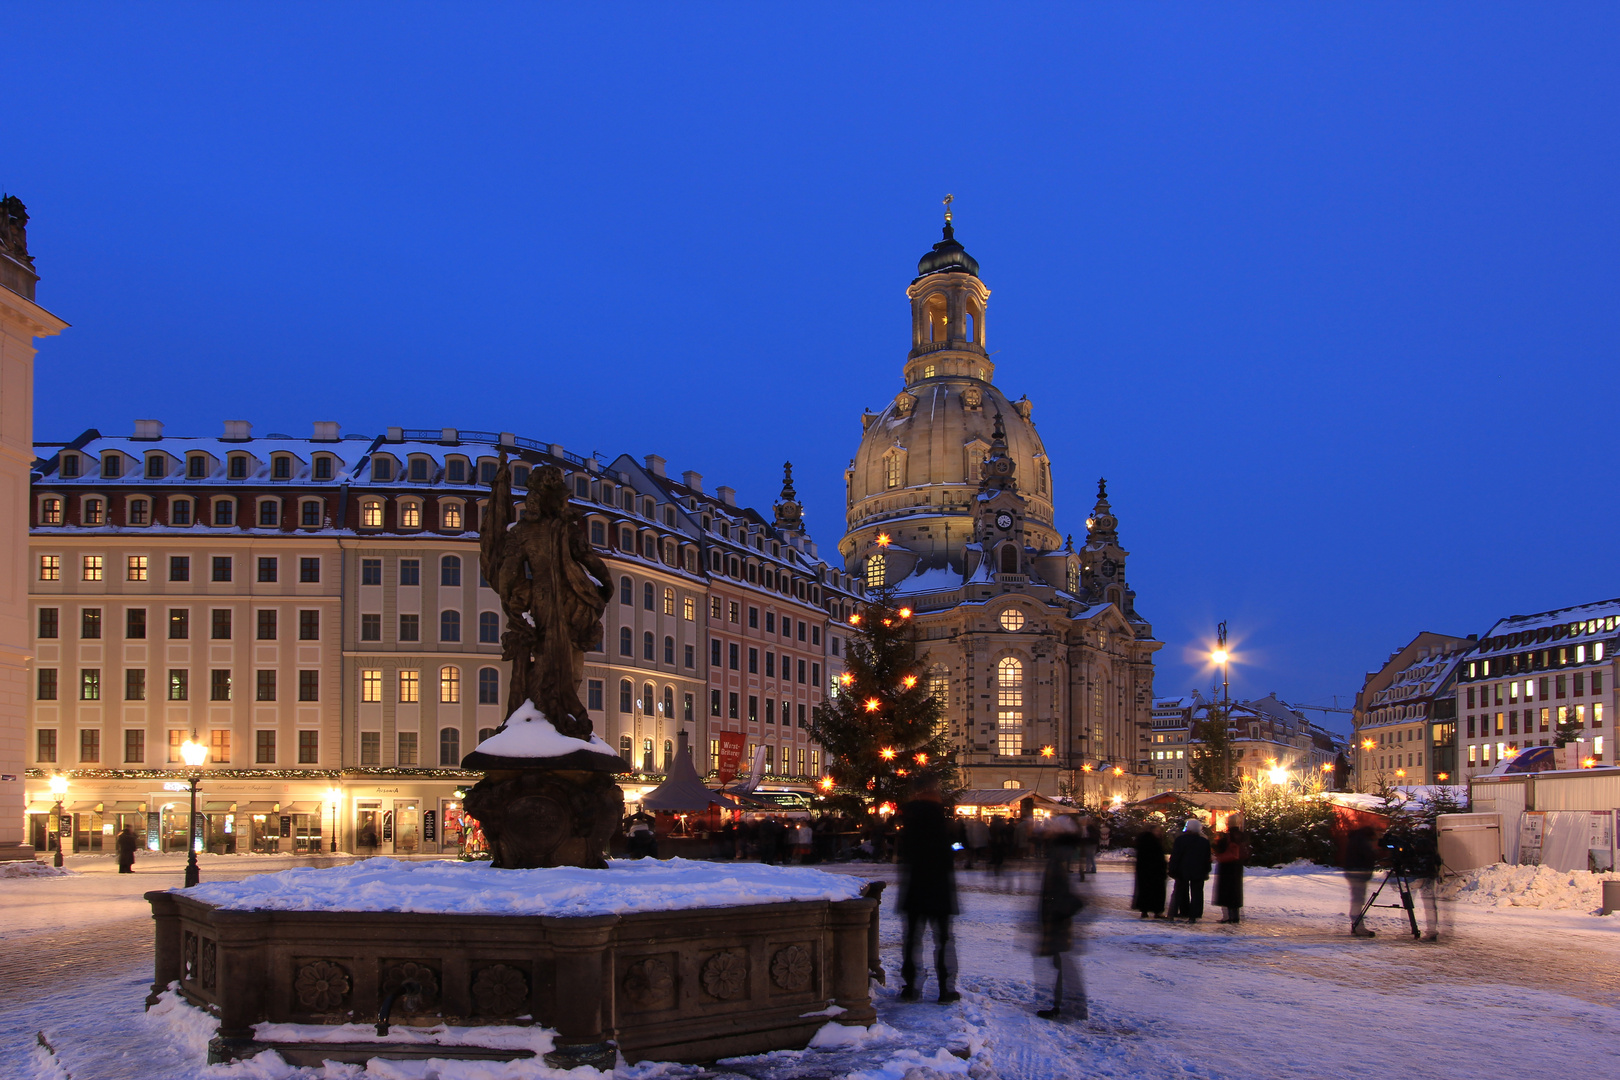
x: 334, y: 796
x: 1222, y: 657
x: 59, y: 788
x: 193, y: 753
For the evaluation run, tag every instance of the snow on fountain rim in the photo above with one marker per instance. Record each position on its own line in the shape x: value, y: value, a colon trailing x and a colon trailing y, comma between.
x: 476, y: 888
x: 529, y: 734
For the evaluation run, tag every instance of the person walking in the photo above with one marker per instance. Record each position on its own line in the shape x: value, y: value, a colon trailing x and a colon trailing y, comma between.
x: 1422, y: 864
x: 126, y: 850
x: 1150, y: 873
x: 1087, y: 845
x: 978, y: 840
x: 1059, y: 904
x: 1231, y: 851
x: 1360, y: 856
x: 927, y: 889
x: 1189, y: 866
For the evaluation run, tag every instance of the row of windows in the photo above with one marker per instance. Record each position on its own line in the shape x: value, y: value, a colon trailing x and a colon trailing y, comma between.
x: 219, y: 746
x: 177, y: 686
x: 452, y: 515
x: 1559, y: 685
x: 1538, y: 660
x: 408, y: 686
x: 732, y: 654
x: 731, y: 611
x: 410, y: 627
x: 648, y: 704
x: 791, y: 765
x: 1508, y: 723
x: 185, y: 511
x: 1481, y: 754
x: 220, y: 624
x: 733, y: 703
x: 406, y: 750
x: 222, y: 568
x: 198, y: 466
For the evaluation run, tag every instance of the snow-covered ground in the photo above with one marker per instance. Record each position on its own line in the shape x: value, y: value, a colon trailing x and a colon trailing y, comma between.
x: 1508, y: 991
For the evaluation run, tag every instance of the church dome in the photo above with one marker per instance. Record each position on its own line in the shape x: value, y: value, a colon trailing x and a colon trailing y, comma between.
x: 916, y: 474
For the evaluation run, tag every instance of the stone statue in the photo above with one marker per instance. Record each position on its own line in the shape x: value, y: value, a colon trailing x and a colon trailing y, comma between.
x: 14, y: 230
x: 553, y: 587
x: 544, y: 800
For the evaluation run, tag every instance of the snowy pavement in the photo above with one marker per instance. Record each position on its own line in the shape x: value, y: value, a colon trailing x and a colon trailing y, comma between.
x: 1508, y: 991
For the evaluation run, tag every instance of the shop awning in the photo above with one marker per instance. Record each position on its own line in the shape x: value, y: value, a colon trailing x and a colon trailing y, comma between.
x: 258, y: 808
x: 126, y: 807
x: 301, y: 808
x: 80, y: 807
x: 217, y: 807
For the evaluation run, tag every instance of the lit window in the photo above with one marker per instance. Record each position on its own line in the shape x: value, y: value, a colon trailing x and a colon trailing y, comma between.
x: 92, y: 568
x: 50, y: 568
x: 669, y: 601
x: 1009, y: 707
x: 371, y: 684
x: 894, y: 471
x: 875, y: 570
x: 452, y: 517
x: 50, y: 511
x: 410, y: 516
x: 1012, y: 620
x: 450, y: 685
x: 688, y: 608
x: 410, y: 687
x: 137, y: 568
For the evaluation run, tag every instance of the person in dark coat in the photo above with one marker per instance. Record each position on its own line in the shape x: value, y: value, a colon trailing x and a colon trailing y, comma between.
x: 1231, y: 851
x: 927, y: 889
x: 1151, y: 875
x: 1360, y: 856
x: 126, y: 850
x: 1059, y: 904
x: 1189, y: 865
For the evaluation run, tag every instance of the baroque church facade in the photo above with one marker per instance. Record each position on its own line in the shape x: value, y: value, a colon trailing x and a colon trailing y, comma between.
x: 1035, y: 647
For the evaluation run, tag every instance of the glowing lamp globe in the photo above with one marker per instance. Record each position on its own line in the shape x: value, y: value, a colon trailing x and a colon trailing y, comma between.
x: 193, y: 753
x: 59, y: 786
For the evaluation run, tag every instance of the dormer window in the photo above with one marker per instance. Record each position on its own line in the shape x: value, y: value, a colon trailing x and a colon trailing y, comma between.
x: 70, y: 466
x: 92, y: 511
x: 156, y: 466
x: 410, y: 515
x: 382, y: 468
x: 112, y: 466
x: 196, y: 467
x: 270, y: 513
x: 419, y: 469
x: 239, y: 467
x: 451, y: 515
x: 486, y: 472
x: 455, y: 471
x: 371, y: 514
x: 323, y: 468
x: 138, y: 511
x: 224, y: 512
x: 582, y: 487
x: 310, y: 514
x: 281, y: 467
x: 520, y: 476
x: 648, y: 510
x: 50, y: 511
x: 180, y: 512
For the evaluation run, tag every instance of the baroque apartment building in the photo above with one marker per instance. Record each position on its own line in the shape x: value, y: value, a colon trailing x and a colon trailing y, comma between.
x: 312, y: 609
x: 1266, y: 734
x: 1035, y: 647
x: 1462, y: 706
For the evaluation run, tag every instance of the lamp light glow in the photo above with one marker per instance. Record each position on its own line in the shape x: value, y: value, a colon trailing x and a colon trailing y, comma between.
x: 193, y: 753
x: 59, y: 786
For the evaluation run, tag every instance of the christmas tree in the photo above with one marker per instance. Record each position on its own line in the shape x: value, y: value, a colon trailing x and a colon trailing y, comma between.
x: 881, y: 729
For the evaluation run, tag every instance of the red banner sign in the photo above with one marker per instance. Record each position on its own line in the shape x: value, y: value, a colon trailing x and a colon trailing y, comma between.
x: 731, y: 748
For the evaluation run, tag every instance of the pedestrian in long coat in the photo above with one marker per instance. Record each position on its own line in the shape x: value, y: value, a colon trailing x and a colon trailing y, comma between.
x: 1059, y: 904
x: 927, y: 889
x: 1231, y: 851
x: 127, y: 843
x: 1151, y: 874
x: 1189, y: 865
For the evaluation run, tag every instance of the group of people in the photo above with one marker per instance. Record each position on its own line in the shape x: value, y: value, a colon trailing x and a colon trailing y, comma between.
x: 1191, y: 859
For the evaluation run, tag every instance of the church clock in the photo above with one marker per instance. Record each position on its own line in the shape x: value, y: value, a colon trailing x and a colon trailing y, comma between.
x: 1004, y: 521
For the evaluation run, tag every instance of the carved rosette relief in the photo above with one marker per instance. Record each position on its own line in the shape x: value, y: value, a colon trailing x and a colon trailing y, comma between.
x: 647, y: 982
x: 500, y: 990
x: 791, y: 968
x: 321, y: 985
x: 725, y: 974
x: 972, y: 397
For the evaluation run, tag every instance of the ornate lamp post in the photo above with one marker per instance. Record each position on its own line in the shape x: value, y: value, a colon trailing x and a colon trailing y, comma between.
x: 194, y: 754
x: 1222, y: 657
x: 334, y: 796
x: 59, y: 786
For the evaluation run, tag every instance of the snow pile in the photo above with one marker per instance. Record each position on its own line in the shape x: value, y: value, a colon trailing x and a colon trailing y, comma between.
x: 1298, y: 866
x: 26, y: 869
x: 501, y: 1036
x: 1502, y: 885
x: 528, y: 734
x: 847, y: 1036
x: 476, y: 888
x: 184, y: 1026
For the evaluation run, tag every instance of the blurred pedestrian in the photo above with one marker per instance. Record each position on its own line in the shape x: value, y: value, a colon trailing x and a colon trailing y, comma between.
x: 1151, y: 874
x: 927, y: 889
x: 1231, y: 851
x: 126, y: 850
x: 641, y: 842
x: 1087, y: 845
x: 1360, y: 856
x: 1189, y: 866
x: 978, y: 840
x: 1059, y: 904
x: 1422, y: 863
x: 1001, y: 842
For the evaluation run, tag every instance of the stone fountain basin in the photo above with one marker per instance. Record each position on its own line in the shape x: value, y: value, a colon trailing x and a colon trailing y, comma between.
x: 673, y: 960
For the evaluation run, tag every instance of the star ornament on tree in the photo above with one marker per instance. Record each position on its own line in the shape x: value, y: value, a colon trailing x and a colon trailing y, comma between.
x: 873, y: 704
x: 909, y: 681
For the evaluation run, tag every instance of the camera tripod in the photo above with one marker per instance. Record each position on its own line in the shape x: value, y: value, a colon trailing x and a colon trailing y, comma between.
x: 1403, y: 887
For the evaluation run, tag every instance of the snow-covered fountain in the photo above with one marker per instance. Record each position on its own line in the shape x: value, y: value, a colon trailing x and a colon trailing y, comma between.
x: 676, y: 960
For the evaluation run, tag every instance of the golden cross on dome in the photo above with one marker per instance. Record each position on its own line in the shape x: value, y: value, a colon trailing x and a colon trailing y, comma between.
x: 948, y: 200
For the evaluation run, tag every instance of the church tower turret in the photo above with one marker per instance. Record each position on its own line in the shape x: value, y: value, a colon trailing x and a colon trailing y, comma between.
x: 789, y: 513
x: 947, y: 314
x: 1102, y: 572
x: 998, y: 523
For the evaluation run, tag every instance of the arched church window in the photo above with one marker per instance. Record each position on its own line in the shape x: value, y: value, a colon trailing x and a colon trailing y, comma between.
x: 894, y: 470
x: 1009, y: 707
x: 968, y: 327
x: 1009, y: 559
x: 1074, y: 578
x: 875, y: 569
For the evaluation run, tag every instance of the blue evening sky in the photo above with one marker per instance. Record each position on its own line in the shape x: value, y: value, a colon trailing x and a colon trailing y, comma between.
x: 1326, y: 291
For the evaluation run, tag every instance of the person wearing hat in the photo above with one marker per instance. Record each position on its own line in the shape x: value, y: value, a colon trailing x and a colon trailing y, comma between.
x: 1189, y: 866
